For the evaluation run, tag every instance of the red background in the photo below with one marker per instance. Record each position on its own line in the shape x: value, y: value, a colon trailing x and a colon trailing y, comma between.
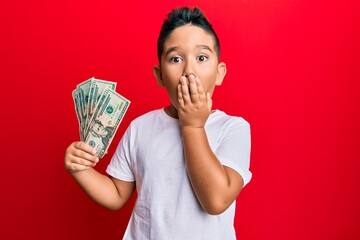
x: 293, y: 73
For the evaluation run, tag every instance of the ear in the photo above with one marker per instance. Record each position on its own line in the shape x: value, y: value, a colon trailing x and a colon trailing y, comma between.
x: 158, y: 75
x: 221, y: 72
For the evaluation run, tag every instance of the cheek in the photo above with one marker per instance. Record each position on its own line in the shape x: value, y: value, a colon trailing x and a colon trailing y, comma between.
x: 171, y: 88
x: 171, y: 80
x: 208, y: 83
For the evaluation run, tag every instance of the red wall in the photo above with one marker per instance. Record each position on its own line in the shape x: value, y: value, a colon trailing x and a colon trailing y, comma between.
x: 293, y: 73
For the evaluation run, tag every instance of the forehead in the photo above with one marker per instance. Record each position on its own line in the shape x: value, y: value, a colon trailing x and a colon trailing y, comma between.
x: 189, y: 36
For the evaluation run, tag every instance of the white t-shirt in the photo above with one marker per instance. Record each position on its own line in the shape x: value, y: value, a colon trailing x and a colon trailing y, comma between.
x: 151, y: 153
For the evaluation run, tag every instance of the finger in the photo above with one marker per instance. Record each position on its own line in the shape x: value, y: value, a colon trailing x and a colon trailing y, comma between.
x: 185, y: 89
x: 78, y: 150
x: 84, y: 161
x: 83, y: 154
x: 80, y: 157
x: 200, y: 89
x: 84, y: 147
x: 194, y: 95
x: 180, y: 96
x: 77, y: 164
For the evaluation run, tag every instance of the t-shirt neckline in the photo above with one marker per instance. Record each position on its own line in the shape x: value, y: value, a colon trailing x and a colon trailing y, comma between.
x: 165, y: 116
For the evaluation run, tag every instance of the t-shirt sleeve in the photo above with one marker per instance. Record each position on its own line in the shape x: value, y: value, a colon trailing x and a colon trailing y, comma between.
x: 234, y: 148
x: 120, y: 166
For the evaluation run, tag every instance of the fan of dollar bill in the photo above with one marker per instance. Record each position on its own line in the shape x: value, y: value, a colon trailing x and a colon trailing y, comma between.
x: 100, y: 110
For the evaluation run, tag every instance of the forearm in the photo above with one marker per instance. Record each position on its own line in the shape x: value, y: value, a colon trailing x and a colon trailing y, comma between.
x: 208, y: 177
x: 215, y: 186
x: 99, y: 188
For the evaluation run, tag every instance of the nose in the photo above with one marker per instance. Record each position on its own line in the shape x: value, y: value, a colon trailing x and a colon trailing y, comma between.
x: 188, y: 69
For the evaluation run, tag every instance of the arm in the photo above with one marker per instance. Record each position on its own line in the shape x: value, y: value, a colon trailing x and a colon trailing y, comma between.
x: 215, y: 185
x: 108, y: 192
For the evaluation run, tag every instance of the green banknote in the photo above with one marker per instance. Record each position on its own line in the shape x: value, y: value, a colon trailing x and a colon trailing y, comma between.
x: 99, y: 111
x: 106, y: 119
x: 77, y: 110
x: 97, y: 87
x: 82, y: 95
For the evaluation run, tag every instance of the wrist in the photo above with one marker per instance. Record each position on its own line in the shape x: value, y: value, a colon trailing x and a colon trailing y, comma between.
x: 189, y: 130
x: 192, y: 127
x: 79, y: 173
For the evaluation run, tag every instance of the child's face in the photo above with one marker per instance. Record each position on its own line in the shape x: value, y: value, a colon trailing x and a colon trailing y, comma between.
x: 189, y: 50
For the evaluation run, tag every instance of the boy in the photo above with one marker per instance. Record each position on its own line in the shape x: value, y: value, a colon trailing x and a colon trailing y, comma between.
x: 187, y: 162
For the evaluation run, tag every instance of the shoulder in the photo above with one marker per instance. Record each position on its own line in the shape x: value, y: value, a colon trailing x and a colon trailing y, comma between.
x: 141, y: 127
x: 223, y: 119
x: 146, y: 122
x: 146, y: 118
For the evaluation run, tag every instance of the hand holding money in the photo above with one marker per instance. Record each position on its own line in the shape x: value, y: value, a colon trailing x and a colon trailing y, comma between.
x: 99, y: 110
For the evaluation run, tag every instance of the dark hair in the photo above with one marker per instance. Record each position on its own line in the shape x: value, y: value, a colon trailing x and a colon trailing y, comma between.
x: 183, y: 16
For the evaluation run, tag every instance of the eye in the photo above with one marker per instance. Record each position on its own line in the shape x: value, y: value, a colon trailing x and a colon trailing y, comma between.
x: 175, y: 59
x: 202, y: 58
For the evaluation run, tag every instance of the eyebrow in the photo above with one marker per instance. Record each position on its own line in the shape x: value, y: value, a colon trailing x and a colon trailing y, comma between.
x: 173, y: 49
x: 204, y: 47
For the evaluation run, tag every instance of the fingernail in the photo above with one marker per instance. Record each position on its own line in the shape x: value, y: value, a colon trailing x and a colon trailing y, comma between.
x: 93, y: 151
